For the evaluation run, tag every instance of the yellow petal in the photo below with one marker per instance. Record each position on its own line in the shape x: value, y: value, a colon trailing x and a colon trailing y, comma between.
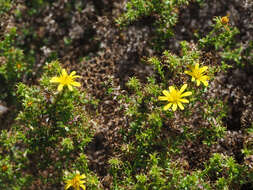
x: 64, y: 73
x: 68, y: 185
x: 174, y: 107
x: 167, y: 107
x: 198, y: 82
x: 180, y: 105
x: 162, y: 98
x: 55, y: 79
x: 83, y: 176
x: 70, y: 87
x: 166, y: 93
x: 203, y: 69
x: 83, y: 187
x: 72, y: 73
x: 193, y: 79
x: 76, y: 84
x: 205, y: 83
x: 204, y: 77
x: 184, y: 100
x: 173, y: 93
x: 76, y: 76
x: 60, y: 87
x: 183, y: 88
x: 172, y: 89
x: 186, y: 94
x: 197, y: 66
x: 188, y: 73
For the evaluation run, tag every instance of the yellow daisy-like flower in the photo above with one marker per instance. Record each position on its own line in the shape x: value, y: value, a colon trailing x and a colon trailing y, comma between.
x: 65, y: 79
x: 175, y: 97
x: 76, y: 182
x: 198, y: 74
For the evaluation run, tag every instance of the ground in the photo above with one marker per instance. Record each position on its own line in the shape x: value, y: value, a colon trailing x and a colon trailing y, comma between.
x: 106, y: 55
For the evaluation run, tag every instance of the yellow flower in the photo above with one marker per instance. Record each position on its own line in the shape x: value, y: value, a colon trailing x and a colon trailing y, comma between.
x: 224, y: 20
x: 76, y: 182
x: 198, y: 74
x: 175, y: 97
x: 29, y: 103
x: 18, y: 65
x: 65, y: 79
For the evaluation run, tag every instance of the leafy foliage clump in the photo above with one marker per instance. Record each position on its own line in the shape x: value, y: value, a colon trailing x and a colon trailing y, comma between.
x: 52, y: 130
x: 165, y: 13
x: 182, y: 127
x: 158, y: 143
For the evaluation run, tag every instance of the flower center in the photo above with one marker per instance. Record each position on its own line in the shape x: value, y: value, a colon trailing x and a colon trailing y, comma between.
x: 175, y: 96
x: 76, y: 182
x: 65, y: 80
x: 197, y: 74
x: 224, y: 20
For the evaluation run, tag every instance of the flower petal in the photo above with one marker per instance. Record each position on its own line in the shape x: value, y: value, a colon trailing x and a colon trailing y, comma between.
x: 193, y: 79
x: 64, y: 72
x: 68, y: 185
x: 72, y: 73
x: 76, y: 84
x: 205, y: 83
x: 184, y: 100
x: 70, y: 87
x: 76, y: 76
x: 172, y: 89
x: 83, y: 176
x: 186, y: 94
x: 166, y: 93
x: 198, y: 82
x: 83, y: 187
x: 204, y: 77
x: 180, y: 105
x: 183, y: 88
x: 189, y: 73
x: 174, y: 107
x: 197, y: 66
x: 55, y: 79
x: 203, y: 69
x: 165, y: 108
x: 163, y: 98
x: 60, y: 87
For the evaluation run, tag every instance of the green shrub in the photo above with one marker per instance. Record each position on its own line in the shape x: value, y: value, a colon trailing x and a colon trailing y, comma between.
x: 13, y: 68
x: 51, y: 131
x: 165, y: 13
x: 157, y: 132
